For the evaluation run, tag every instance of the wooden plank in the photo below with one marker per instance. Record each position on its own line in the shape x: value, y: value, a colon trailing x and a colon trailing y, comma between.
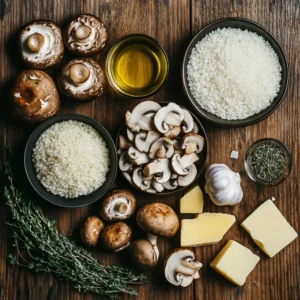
x: 276, y: 278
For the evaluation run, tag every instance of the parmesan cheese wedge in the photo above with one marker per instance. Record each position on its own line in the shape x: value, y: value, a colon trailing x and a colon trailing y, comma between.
x: 205, y: 229
x: 269, y: 229
x: 235, y: 262
x: 192, y: 202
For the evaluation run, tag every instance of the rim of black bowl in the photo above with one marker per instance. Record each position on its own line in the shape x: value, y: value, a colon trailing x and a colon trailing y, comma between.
x: 56, y: 199
x: 271, y: 39
x: 200, y: 170
x: 110, y: 80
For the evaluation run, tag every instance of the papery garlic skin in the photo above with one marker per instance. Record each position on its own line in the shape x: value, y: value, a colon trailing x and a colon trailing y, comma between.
x: 223, y: 185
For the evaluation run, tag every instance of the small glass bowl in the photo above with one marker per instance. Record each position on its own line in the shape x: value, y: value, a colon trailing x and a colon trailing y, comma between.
x: 151, y: 50
x: 288, y: 161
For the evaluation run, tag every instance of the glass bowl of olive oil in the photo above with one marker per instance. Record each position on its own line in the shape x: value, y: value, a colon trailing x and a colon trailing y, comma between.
x: 137, y: 66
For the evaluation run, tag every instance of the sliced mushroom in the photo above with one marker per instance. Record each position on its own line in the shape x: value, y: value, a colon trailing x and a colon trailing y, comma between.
x: 157, y: 186
x: 160, y: 168
x: 188, y: 122
x: 86, y: 35
x: 41, y: 44
x: 173, y: 132
x: 143, y: 254
x: 137, y: 157
x: 143, y: 140
x: 195, y: 128
x: 118, y: 205
x: 157, y: 219
x: 139, y: 118
x: 130, y: 135
x: 127, y: 176
x: 192, y: 142
x: 34, y: 96
x: 125, y: 163
x: 116, y: 237
x: 172, y: 184
x: 124, y: 142
x: 181, y: 268
x: 139, y: 180
x: 180, y: 164
x: 157, y: 146
x: 189, y: 178
x: 82, y: 79
x: 170, y: 115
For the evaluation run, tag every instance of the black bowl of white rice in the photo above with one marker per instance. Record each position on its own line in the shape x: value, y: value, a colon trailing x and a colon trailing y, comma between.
x: 235, y: 72
x: 70, y: 160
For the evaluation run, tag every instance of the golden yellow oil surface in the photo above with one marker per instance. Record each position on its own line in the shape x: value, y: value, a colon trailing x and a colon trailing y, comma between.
x: 137, y: 67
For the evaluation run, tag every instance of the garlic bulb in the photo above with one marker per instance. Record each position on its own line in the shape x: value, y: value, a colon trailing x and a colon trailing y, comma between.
x: 223, y: 185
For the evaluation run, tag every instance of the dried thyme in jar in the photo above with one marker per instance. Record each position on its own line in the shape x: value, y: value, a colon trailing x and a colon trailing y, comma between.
x: 268, y: 162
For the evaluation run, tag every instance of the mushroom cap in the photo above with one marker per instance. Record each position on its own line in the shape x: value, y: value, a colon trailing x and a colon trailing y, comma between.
x: 143, y: 254
x: 158, y: 219
x: 90, y: 88
x: 34, y: 96
x: 85, y: 35
x: 116, y: 237
x: 91, y: 230
x: 118, y: 204
x: 181, y: 268
x: 41, y: 44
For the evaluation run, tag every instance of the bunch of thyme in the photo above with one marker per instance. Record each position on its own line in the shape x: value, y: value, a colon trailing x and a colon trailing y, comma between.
x: 48, y: 251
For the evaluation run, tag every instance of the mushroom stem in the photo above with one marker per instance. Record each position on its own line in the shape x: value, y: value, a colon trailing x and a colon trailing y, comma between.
x: 188, y: 268
x: 197, y: 275
x: 122, y: 208
x: 35, y: 42
x: 82, y: 32
x: 153, y: 240
x: 79, y: 73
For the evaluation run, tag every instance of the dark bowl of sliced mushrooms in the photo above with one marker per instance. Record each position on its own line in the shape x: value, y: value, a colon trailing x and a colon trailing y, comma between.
x: 162, y: 147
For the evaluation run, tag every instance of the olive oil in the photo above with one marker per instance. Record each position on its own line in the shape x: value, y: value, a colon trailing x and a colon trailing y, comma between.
x: 137, y: 66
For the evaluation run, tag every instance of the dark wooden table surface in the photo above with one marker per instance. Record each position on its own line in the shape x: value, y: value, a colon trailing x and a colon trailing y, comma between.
x: 173, y: 23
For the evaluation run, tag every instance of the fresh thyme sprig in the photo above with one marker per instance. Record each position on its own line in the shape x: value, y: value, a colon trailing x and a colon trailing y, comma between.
x: 48, y: 251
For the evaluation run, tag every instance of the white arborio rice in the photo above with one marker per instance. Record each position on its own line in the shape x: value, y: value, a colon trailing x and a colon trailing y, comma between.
x: 233, y: 73
x: 71, y: 159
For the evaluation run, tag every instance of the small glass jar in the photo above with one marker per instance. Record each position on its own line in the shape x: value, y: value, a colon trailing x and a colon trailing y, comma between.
x: 287, y: 164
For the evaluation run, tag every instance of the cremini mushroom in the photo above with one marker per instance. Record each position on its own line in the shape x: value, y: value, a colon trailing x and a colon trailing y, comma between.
x: 189, y: 178
x: 124, y: 142
x: 143, y: 140
x: 167, y: 117
x: 137, y: 157
x: 159, y: 168
x: 140, y: 118
x: 41, y: 44
x: 91, y: 231
x: 181, y: 268
x: 125, y: 163
x: 187, y: 122
x: 85, y: 35
x: 181, y: 165
x: 143, y: 254
x: 157, y: 219
x: 171, y: 184
x: 173, y: 132
x: 116, y: 237
x: 192, y: 142
x: 34, y: 96
x: 118, y: 204
x: 82, y: 79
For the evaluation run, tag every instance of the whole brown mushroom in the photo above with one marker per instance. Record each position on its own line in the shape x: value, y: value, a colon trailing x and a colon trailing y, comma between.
x: 157, y: 219
x: 41, y: 44
x: 116, y: 237
x: 118, y: 204
x: 85, y: 35
x: 34, y: 96
x: 82, y: 79
x: 143, y: 254
x: 91, y: 230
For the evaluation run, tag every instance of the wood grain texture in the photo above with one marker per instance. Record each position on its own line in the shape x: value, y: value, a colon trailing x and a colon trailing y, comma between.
x: 173, y: 23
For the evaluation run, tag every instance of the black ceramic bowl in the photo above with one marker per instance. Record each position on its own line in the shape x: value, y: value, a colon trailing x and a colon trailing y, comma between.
x: 55, y: 199
x: 267, y: 35
x: 200, y: 164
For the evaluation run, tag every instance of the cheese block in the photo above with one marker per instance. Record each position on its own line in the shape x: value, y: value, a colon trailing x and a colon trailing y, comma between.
x: 192, y: 202
x: 206, y: 229
x: 269, y: 229
x: 235, y: 262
